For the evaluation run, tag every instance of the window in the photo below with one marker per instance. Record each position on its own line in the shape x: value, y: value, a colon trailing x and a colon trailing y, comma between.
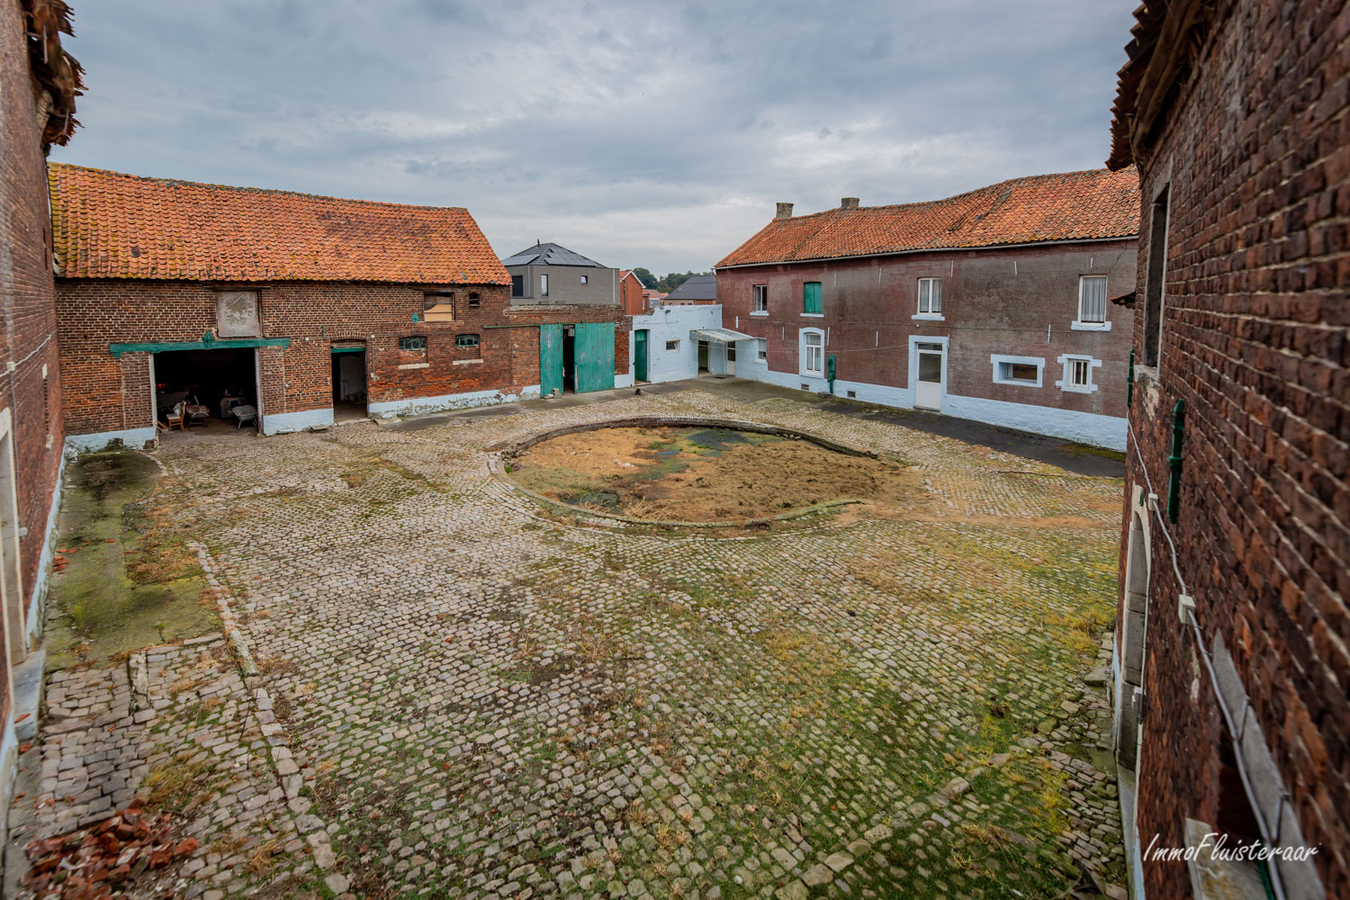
x: 466, y: 342
x: 813, y: 353
x: 1157, y: 275
x: 517, y: 285
x: 413, y: 345
x: 543, y: 285
x: 585, y: 279
x: 811, y: 305
x: 930, y: 296
x: 672, y: 346
x: 762, y: 351
x: 1078, y: 374
x: 761, y: 298
x: 438, y: 306
x: 474, y: 302
x: 1091, y: 300
x: 1023, y: 370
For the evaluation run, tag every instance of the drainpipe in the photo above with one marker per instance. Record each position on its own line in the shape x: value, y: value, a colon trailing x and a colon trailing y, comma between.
x: 829, y: 370
x: 1129, y: 383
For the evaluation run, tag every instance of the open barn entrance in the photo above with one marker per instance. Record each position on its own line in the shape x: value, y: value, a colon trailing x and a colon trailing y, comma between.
x: 211, y: 389
x: 349, y: 383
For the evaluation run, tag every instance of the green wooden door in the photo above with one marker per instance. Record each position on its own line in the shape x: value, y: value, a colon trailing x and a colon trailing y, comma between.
x: 595, y: 356
x: 550, y: 359
x: 640, y: 354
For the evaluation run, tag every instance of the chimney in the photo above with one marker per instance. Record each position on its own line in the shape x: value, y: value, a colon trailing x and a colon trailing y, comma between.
x: 848, y: 203
x: 784, y: 211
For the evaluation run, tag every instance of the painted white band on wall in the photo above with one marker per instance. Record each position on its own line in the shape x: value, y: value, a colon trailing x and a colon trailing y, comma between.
x: 417, y: 406
x: 88, y: 443
x: 283, y: 423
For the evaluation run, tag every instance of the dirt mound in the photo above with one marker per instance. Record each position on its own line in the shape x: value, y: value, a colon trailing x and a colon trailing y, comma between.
x: 700, y: 474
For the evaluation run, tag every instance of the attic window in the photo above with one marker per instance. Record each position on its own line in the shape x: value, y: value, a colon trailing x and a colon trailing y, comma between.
x: 438, y: 306
x: 474, y: 302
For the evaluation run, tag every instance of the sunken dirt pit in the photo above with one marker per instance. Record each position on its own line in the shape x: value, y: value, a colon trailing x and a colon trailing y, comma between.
x: 702, y: 474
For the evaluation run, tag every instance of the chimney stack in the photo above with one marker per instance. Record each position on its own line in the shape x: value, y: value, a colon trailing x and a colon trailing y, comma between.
x: 848, y: 203
x: 784, y: 211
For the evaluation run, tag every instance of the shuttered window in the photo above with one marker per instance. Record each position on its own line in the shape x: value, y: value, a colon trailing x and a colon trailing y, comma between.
x: 811, y: 298
x: 1092, y: 299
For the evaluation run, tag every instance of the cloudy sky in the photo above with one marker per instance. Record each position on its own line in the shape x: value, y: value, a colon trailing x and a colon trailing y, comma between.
x: 638, y: 133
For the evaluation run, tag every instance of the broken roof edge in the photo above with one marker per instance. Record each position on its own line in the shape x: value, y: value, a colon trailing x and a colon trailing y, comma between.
x: 947, y: 249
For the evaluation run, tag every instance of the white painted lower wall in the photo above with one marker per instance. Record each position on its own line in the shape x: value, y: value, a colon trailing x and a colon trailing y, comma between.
x: 135, y: 438
x: 9, y: 770
x: 284, y: 423
x: 1084, y: 428
x: 417, y: 406
x: 673, y: 323
x: 37, y: 600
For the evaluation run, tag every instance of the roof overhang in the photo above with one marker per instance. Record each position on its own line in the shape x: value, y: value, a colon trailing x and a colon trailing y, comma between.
x: 825, y: 259
x: 720, y: 335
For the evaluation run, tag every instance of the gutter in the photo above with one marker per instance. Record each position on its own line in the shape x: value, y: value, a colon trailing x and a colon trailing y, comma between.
x: 820, y: 259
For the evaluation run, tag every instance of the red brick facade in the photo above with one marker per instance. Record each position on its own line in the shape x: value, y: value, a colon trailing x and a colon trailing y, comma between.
x: 108, y: 394
x: 31, y: 393
x: 1236, y: 115
x: 631, y: 297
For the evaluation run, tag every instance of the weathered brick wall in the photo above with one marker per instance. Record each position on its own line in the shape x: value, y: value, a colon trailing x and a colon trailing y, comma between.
x: 1017, y: 302
x: 107, y: 394
x: 27, y: 318
x: 1256, y: 151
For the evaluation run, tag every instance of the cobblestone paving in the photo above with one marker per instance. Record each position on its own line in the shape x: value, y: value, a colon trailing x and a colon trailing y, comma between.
x: 490, y: 700
x: 190, y: 737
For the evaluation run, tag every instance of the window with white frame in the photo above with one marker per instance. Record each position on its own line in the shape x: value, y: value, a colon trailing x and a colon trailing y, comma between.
x: 1021, y: 370
x: 930, y: 296
x: 585, y: 279
x: 762, y: 350
x: 761, y: 298
x: 1092, y: 300
x: 813, y: 353
x: 543, y: 285
x: 1078, y: 374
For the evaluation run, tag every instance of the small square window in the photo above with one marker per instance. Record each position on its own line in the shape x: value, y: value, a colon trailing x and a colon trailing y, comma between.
x: 930, y: 296
x: 672, y: 346
x: 466, y: 342
x: 761, y: 292
x: 1078, y: 374
x: 762, y: 350
x: 474, y: 302
x: 585, y: 279
x: 413, y: 345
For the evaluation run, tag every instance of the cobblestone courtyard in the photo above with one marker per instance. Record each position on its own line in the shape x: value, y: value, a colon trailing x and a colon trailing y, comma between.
x: 463, y: 694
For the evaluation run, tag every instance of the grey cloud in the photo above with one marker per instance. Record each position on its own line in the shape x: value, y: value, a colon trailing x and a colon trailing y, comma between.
x: 645, y: 133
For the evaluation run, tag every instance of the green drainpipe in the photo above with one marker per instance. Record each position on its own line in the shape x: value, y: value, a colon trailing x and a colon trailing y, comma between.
x: 829, y: 370
x: 1174, y: 486
x: 1129, y: 383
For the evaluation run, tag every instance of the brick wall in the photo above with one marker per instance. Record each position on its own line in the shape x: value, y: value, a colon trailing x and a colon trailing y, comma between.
x: 1017, y: 302
x: 1254, y: 153
x: 27, y: 319
x: 110, y: 394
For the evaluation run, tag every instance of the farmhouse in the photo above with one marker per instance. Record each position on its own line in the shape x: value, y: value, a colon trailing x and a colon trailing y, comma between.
x: 278, y: 306
x: 1231, y: 667
x: 992, y: 305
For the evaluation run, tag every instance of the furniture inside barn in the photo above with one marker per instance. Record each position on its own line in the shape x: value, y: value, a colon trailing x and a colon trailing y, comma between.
x: 209, y: 384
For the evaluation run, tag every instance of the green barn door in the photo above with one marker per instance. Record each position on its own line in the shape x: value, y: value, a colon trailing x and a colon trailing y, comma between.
x: 550, y: 359
x: 640, y: 354
x: 595, y: 356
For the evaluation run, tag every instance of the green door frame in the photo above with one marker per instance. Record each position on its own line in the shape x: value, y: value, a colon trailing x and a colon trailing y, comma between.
x: 640, y: 354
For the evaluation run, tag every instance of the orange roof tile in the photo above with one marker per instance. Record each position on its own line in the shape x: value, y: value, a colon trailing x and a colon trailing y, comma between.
x: 111, y: 225
x: 1069, y: 206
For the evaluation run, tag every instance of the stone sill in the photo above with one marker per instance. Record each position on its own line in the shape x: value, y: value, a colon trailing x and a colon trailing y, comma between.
x: 468, y: 362
x: 420, y: 365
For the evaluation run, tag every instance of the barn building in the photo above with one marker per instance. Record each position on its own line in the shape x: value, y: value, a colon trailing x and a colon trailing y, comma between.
x: 991, y: 305
x: 1232, y: 668
x: 293, y: 308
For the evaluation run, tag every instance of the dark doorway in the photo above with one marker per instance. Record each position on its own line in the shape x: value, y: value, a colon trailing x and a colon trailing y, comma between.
x: 349, y: 384
x: 703, y: 356
x: 208, y: 388
x: 569, y: 359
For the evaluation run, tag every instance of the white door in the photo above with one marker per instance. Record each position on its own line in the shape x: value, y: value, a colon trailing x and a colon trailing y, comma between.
x: 731, y: 359
x: 928, y: 390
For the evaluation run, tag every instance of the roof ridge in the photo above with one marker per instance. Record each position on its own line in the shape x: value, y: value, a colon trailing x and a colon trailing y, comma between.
x: 243, y: 189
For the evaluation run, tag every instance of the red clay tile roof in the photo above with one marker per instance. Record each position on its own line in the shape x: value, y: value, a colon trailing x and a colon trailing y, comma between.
x: 1068, y: 206
x: 111, y: 225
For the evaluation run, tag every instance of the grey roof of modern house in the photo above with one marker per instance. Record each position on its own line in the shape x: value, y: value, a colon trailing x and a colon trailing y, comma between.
x: 550, y: 255
x: 698, y: 287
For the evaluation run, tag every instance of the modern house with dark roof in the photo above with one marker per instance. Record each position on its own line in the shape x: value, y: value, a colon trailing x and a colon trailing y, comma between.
x: 700, y: 289
x: 993, y: 305
x: 550, y: 274
x: 291, y: 307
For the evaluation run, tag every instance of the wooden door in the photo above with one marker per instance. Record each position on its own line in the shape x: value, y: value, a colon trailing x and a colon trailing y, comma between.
x: 550, y: 359
x: 640, y: 354
x: 594, y: 356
